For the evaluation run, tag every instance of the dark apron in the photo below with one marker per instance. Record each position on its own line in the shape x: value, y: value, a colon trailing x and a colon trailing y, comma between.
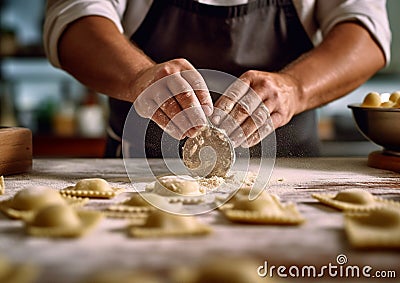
x: 262, y: 35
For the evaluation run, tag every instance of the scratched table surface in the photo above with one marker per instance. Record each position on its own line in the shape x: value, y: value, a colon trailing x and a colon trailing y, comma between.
x: 319, y: 241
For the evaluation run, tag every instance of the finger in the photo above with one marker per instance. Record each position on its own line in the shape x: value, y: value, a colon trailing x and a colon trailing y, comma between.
x: 257, y: 119
x: 144, y: 104
x: 171, y: 108
x: 241, y: 111
x: 260, y: 133
x: 228, y: 100
x: 196, y: 81
x: 193, y: 128
x: 166, y: 124
x: 185, y: 96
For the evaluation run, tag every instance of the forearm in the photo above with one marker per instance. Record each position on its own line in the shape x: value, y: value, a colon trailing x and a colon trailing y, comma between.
x: 98, y: 55
x: 346, y: 59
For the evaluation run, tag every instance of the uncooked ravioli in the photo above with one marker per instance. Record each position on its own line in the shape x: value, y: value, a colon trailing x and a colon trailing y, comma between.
x: 379, y: 227
x: 163, y: 224
x: 139, y: 205
x: 177, y: 185
x: 353, y: 199
x: 92, y: 188
x: 28, y: 200
x: 266, y: 209
x: 62, y: 221
x: 35, y: 197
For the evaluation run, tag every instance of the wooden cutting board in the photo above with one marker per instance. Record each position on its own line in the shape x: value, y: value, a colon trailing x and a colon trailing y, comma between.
x: 15, y: 150
x: 378, y: 159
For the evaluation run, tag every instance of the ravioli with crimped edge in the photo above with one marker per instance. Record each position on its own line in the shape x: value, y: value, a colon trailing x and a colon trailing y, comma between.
x: 183, y: 189
x: 353, y: 199
x: 376, y: 228
x: 163, y: 224
x: 62, y: 221
x: 266, y: 209
x: 92, y: 188
x: 27, y: 201
x: 172, y: 185
x: 139, y: 205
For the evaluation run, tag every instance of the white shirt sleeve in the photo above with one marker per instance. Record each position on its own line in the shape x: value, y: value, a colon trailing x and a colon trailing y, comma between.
x: 60, y: 13
x: 372, y: 14
x: 317, y: 16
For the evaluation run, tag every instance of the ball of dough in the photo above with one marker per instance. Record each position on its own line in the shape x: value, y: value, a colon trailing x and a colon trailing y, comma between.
x: 387, y: 104
x: 373, y: 99
x: 394, y: 97
x: 397, y: 104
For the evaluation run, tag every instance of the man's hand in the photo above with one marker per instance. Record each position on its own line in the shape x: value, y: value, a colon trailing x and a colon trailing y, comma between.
x: 174, y: 95
x: 247, y: 108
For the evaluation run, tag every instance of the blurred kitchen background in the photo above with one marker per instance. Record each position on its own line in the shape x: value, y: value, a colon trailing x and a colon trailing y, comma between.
x: 61, y: 112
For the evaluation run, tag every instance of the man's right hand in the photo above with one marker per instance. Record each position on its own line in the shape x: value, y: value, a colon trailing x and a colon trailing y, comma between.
x: 174, y: 95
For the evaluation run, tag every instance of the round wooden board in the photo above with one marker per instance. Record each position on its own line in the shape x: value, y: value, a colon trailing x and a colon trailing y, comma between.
x: 377, y: 159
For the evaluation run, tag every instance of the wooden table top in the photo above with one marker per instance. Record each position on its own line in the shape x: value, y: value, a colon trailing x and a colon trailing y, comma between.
x: 317, y: 242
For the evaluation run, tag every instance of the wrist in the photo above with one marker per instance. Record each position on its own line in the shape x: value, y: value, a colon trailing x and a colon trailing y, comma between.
x: 297, y: 90
x: 140, y: 79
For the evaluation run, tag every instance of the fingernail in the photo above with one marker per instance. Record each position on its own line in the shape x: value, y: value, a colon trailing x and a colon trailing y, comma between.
x: 215, y: 120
